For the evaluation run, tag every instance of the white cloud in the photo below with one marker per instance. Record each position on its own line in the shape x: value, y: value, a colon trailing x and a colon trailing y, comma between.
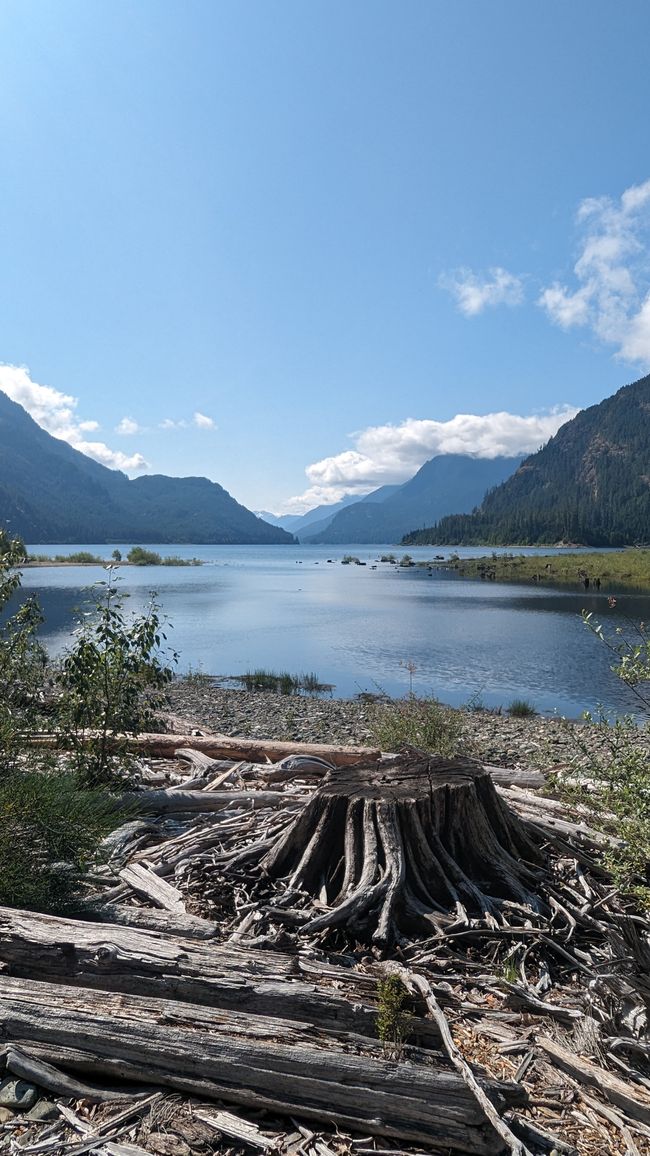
x: 474, y: 293
x: 168, y: 423
x: 56, y: 412
x: 393, y: 453
x: 127, y: 426
x: 611, y: 294
x: 202, y: 421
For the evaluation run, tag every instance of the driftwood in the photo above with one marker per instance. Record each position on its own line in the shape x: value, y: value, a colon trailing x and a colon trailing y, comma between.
x: 391, y: 849
x: 634, y: 1100
x: 288, y: 1067
x: 165, y: 746
x: 178, y: 799
x: 418, y: 984
x: 190, y: 926
x: 240, y: 979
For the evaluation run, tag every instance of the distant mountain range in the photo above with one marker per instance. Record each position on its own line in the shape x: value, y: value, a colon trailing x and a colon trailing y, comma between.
x: 50, y: 492
x: 590, y: 484
x: 444, y: 484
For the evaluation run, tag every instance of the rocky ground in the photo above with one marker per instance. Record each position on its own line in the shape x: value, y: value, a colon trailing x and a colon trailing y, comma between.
x: 494, y: 738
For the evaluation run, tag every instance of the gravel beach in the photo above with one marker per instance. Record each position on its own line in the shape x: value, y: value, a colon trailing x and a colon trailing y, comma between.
x: 536, y: 742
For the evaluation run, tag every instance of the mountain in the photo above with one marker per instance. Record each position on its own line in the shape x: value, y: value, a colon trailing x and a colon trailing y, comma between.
x: 50, y: 492
x: 295, y: 523
x: 444, y: 483
x: 589, y: 484
x: 307, y: 532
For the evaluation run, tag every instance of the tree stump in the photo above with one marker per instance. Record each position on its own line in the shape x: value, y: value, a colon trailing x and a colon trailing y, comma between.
x: 394, y: 848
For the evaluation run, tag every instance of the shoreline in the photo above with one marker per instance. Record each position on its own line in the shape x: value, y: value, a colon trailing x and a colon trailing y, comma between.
x: 538, y: 742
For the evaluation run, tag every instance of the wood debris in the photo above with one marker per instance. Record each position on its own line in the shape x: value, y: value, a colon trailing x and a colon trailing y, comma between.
x: 213, y: 986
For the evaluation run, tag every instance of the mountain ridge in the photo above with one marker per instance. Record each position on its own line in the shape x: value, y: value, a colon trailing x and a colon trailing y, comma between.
x: 444, y: 483
x: 590, y: 484
x: 51, y: 492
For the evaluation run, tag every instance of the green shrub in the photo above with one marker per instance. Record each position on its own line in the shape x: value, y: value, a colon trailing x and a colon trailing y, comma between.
x: 419, y: 722
x: 22, y: 658
x: 112, y: 680
x: 521, y: 708
x: 138, y: 556
x: 49, y: 831
x: 392, y: 1021
x: 81, y: 557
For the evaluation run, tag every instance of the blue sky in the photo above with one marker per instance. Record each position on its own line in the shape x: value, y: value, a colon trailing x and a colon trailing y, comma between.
x: 254, y: 239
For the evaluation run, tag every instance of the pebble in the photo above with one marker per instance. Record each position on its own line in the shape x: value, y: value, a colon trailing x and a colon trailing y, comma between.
x: 6, y: 1115
x: 43, y: 1110
x: 17, y: 1094
x: 535, y: 742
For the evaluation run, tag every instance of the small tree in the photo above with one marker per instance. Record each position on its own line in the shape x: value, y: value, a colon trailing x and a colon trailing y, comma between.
x: 22, y: 658
x: 112, y: 679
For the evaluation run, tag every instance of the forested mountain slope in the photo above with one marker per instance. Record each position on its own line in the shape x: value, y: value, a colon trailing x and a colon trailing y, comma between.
x: 590, y: 484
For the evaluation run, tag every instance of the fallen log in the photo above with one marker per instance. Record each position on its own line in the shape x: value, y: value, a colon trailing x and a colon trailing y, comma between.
x: 165, y: 746
x: 118, y: 959
x: 262, y: 1062
x: 190, y: 926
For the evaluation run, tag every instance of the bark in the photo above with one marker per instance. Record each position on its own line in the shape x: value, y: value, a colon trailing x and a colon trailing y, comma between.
x: 262, y: 1062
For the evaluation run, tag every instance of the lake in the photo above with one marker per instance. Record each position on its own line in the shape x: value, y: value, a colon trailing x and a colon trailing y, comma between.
x: 289, y: 608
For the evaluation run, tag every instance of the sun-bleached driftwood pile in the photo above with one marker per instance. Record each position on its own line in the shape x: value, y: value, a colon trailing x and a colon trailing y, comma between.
x: 223, y: 985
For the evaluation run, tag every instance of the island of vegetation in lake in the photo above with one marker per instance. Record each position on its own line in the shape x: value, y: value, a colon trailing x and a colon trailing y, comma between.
x: 616, y: 568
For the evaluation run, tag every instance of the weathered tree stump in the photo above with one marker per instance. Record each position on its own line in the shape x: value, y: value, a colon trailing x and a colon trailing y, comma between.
x: 389, y: 849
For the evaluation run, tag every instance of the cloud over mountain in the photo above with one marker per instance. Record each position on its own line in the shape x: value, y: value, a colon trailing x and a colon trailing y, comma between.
x: 56, y: 412
x: 393, y: 453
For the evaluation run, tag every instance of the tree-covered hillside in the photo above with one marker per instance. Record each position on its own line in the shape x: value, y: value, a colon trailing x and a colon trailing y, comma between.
x: 590, y: 484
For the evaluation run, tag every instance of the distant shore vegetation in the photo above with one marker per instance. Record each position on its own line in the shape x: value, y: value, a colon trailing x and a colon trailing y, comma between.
x: 629, y: 568
x: 137, y: 556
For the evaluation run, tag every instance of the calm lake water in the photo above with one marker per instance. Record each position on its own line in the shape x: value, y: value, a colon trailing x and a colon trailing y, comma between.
x: 288, y: 608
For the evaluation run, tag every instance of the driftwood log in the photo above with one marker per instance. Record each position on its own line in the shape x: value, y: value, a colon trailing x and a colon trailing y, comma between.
x: 165, y: 746
x: 393, y: 849
x: 123, y: 959
x: 259, y: 1061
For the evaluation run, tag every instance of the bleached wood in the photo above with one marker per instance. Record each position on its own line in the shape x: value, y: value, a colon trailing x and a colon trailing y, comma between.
x: 288, y: 1067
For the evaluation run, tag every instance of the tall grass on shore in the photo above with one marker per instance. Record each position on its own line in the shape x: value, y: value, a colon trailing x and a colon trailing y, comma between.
x: 282, y: 682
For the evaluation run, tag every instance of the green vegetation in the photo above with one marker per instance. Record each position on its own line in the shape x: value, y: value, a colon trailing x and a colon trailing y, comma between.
x: 388, y: 558
x: 630, y: 646
x: 615, y: 786
x: 283, y: 682
x: 521, y: 708
x: 350, y: 560
x: 50, y: 822
x: 50, y: 828
x: 419, y: 722
x: 621, y: 568
x: 111, y: 680
x: 393, y: 1022
x: 138, y: 556
x: 406, y: 560
x: 80, y: 558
